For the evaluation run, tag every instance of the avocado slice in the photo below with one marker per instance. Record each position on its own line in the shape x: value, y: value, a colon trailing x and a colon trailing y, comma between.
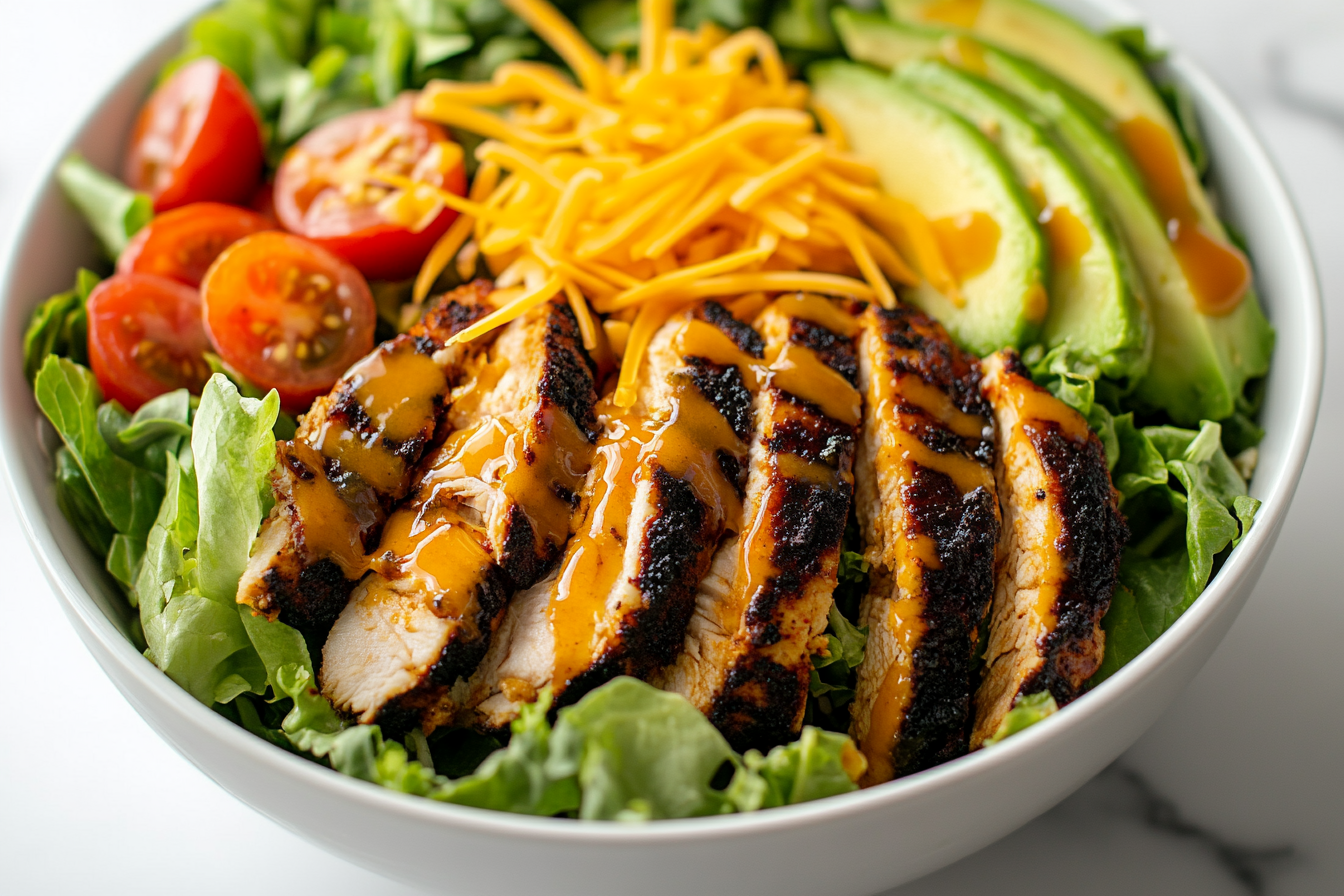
x: 952, y: 174
x: 1200, y: 363
x: 1093, y: 308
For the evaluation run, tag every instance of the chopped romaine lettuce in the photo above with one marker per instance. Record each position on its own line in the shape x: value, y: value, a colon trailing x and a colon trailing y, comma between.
x: 818, y: 764
x: 59, y: 326
x: 114, y: 211
x: 1027, y: 711
x: 128, y: 495
x: 639, y: 753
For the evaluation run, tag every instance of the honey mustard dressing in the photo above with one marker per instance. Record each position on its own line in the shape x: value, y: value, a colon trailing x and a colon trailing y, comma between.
x: 1035, y: 407
x: 702, y: 340
x: 965, y: 53
x: 440, y: 552
x: 1219, y: 274
x: 683, y: 436
x: 957, y: 13
x: 906, y: 619
x: 900, y: 402
x: 398, y: 391
x: 817, y: 310
x: 799, y: 372
x: 596, y: 553
x: 969, y: 242
x: 532, y: 468
x: 1069, y: 237
x: 332, y: 528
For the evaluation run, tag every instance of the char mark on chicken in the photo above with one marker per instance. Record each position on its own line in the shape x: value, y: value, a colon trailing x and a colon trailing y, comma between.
x: 490, y: 514
x: 762, y: 608
x: 929, y: 516
x: 1062, y: 539
x: 351, y: 462
x: 665, y: 484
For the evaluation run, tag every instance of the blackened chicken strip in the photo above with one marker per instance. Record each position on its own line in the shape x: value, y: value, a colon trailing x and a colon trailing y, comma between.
x: 1062, y: 539
x: 930, y: 521
x: 666, y: 481
x: 761, y: 611
x: 351, y: 461
x: 490, y: 515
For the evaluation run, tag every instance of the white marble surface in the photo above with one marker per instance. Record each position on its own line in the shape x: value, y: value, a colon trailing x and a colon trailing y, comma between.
x: 1248, y: 760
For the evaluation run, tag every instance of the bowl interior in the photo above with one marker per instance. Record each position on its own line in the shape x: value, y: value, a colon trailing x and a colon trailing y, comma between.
x: 53, y: 241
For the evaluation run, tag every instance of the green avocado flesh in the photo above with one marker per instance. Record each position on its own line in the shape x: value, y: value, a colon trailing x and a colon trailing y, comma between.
x: 1199, y: 363
x: 947, y: 169
x: 1093, y: 309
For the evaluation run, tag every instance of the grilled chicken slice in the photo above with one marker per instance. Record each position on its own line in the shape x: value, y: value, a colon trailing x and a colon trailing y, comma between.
x: 489, y: 516
x: 350, y: 462
x: 930, y: 520
x: 1062, y: 538
x: 761, y: 610
x: 666, y: 481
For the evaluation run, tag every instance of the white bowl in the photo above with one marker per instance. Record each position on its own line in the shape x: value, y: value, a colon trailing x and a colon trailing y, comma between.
x: 854, y: 844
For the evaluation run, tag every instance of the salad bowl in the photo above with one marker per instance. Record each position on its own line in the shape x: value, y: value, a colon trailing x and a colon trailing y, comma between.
x: 857, y: 843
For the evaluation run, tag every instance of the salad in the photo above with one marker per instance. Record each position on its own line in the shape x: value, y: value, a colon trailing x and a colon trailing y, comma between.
x: 630, y: 409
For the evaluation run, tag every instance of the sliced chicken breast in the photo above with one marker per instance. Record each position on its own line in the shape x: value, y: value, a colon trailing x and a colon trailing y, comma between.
x: 761, y: 611
x: 1062, y: 538
x: 351, y: 461
x: 666, y: 482
x: 490, y: 515
x: 930, y: 521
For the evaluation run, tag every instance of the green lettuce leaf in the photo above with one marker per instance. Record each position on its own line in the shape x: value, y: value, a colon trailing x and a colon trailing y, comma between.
x: 285, y: 424
x: 76, y: 500
x: 128, y: 495
x: 1133, y: 39
x: 1188, y: 473
x: 59, y: 326
x: 198, y: 642
x: 197, y: 549
x: 260, y: 40
x: 1151, y: 596
x: 832, y: 672
x: 731, y: 14
x: 514, y: 778
x: 234, y: 450
x: 160, y: 428
x: 812, y: 767
x: 518, y: 778
x: 804, y: 25
x: 1027, y: 711
x: 1140, y: 465
x: 611, y: 25
x: 639, y: 753
x: 113, y: 210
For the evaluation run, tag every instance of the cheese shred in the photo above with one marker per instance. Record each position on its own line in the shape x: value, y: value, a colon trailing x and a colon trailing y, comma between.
x: 697, y: 173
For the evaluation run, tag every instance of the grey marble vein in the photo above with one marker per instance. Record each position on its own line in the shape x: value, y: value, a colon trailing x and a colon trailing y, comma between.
x: 1247, y: 864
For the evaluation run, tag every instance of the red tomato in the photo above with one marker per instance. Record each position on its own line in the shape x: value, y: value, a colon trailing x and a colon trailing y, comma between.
x: 287, y: 314
x: 263, y: 203
x: 323, y: 189
x: 184, y: 242
x: 146, y: 338
x: 198, y: 139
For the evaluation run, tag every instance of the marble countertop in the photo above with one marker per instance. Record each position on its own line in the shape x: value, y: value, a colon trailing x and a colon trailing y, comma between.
x: 1238, y: 789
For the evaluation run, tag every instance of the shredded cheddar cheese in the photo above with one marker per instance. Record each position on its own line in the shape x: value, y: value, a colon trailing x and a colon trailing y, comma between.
x: 697, y: 173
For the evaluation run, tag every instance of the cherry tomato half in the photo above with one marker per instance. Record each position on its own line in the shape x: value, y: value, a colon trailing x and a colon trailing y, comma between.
x: 325, y: 189
x: 287, y: 314
x: 183, y: 243
x: 146, y: 338
x: 197, y: 139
